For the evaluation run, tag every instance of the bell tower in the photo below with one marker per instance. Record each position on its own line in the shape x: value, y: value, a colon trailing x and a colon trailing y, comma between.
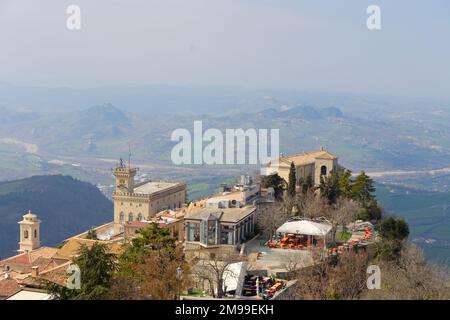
x: 30, y: 233
x: 124, y: 178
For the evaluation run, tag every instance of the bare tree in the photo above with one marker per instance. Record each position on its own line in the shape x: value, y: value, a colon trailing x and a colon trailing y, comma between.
x: 312, y: 205
x: 214, y: 269
x: 346, y: 211
x: 344, y: 280
x: 411, y: 277
x: 271, y: 216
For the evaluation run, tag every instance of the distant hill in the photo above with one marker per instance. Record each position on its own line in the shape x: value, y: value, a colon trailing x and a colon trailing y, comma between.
x: 303, y: 112
x: 97, y: 122
x: 65, y: 205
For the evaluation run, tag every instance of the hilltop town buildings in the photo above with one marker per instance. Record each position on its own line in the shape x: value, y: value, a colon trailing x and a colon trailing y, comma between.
x: 223, y: 223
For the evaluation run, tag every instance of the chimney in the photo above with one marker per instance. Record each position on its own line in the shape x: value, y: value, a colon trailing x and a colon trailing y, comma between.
x: 34, y: 271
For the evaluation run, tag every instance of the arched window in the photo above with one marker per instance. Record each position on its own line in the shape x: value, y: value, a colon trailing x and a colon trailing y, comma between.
x: 131, y: 216
x: 122, y: 217
x: 139, y: 216
x: 323, y: 170
x: 25, y: 234
x: 35, y: 233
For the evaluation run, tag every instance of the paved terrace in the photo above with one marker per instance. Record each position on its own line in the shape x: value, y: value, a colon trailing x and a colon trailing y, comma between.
x: 274, y: 260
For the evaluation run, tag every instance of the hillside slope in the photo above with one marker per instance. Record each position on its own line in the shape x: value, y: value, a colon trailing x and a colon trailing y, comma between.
x: 66, y: 207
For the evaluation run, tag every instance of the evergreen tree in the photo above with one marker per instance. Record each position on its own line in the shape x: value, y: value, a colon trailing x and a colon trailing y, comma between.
x: 362, y: 189
x: 97, y: 266
x: 292, y: 180
x: 276, y: 182
x: 394, y: 229
x: 345, y: 183
x: 329, y: 187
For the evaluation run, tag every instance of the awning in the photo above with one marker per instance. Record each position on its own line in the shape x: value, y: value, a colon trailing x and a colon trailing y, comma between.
x: 305, y: 227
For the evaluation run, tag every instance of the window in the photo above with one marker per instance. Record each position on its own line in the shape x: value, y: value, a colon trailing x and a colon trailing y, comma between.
x: 139, y: 216
x: 122, y: 217
x: 193, y: 231
x: 226, y: 234
x: 35, y: 233
x: 131, y: 216
x: 25, y: 234
x: 212, y: 226
x: 323, y: 170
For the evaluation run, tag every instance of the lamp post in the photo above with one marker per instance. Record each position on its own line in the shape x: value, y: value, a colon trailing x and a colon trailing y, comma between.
x: 179, y: 275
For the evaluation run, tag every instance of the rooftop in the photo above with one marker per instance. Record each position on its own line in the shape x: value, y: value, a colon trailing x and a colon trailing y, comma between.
x: 8, y: 287
x: 73, y: 246
x: 307, y: 157
x: 151, y: 187
x: 226, y: 215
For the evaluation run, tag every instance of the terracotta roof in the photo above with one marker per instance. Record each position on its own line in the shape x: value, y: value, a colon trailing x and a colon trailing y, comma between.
x: 20, y: 259
x: 8, y: 287
x: 138, y: 224
x: 22, y: 263
x: 43, y: 252
x: 72, y: 248
x: 57, y: 275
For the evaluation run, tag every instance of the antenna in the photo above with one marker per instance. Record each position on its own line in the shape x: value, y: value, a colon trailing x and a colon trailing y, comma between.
x: 129, y: 156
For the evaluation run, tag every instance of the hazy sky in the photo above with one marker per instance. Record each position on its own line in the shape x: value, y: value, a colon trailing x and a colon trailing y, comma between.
x: 291, y: 44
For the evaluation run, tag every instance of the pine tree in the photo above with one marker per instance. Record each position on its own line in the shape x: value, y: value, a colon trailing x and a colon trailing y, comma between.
x: 345, y: 183
x: 362, y: 189
x: 97, y: 267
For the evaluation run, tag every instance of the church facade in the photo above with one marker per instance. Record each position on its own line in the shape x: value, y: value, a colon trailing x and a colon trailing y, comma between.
x: 310, y: 165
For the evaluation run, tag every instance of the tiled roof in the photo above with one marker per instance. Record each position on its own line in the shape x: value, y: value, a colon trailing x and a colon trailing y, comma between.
x: 22, y: 263
x: 8, y: 287
x: 20, y: 259
x: 72, y: 248
x: 57, y: 275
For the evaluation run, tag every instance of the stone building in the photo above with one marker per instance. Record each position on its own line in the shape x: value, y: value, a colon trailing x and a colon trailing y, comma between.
x: 142, y: 201
x: 312, y: 164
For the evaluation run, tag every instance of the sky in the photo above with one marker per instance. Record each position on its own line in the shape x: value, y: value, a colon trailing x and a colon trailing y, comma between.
x: 283, y: 44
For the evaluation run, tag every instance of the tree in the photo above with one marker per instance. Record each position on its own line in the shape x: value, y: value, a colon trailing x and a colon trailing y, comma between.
x: 346, y: 211
x: 362, y: 189
x: 97, y: 266
x: 394, y: 229
x: 411, y: 277
x: 148, y: 267
x: 292, y: 181
x: 314, y: 206
x: 214, y: 270
x: 329, y: 187
x: 276, y: 182
x: 345, y: 183
x: 394, y: 232
x: 270, y: 217
x: 343, y: 280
